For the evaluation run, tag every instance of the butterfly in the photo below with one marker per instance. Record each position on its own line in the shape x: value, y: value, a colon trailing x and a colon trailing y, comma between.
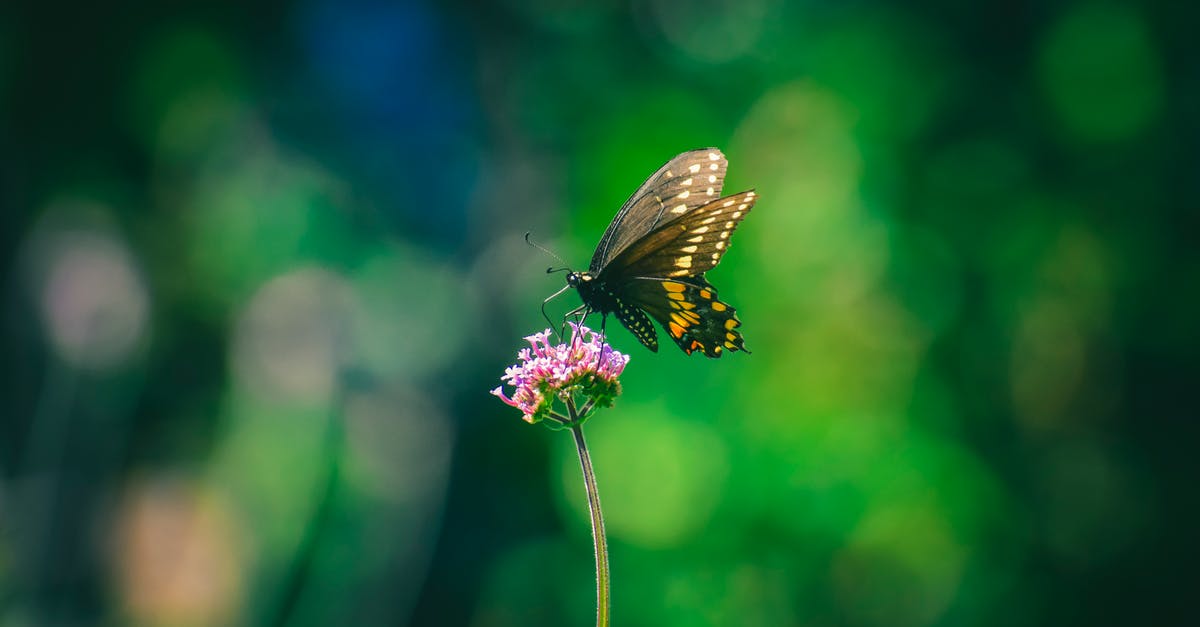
x: 651, y: 261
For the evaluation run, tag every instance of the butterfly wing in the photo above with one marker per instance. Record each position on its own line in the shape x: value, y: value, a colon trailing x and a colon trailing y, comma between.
x: 688, y: 246
x: 690, y: 312
x: 688, y: 181
x: 663, y: 274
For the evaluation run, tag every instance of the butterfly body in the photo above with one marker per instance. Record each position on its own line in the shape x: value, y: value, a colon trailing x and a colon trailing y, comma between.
x: 651, y: 261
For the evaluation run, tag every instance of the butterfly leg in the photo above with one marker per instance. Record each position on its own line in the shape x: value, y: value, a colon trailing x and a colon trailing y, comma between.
x: 550, y: 298
x: 581, y: 310
x: 603, y: 339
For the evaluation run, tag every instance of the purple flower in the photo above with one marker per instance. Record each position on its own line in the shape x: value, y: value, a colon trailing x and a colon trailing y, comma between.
x: 585, y: 365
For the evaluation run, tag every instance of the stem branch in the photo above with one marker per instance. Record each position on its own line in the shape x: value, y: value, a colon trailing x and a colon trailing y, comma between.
x: 598, y: 537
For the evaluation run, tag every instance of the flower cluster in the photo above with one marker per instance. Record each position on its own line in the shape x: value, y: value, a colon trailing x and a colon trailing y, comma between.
x: 584, y: 365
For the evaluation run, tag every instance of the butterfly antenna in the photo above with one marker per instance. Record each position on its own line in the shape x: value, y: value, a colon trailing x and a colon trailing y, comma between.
x: 548, y: 252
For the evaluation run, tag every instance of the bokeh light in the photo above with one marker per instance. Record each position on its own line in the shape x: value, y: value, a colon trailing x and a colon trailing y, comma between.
x: 1101, y: 72
x: 177, y: 554
x: 94, y: 303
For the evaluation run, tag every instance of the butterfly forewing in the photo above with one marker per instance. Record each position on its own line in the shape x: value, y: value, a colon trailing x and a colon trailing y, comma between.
x: 690, y: 246
x: 690, y: 180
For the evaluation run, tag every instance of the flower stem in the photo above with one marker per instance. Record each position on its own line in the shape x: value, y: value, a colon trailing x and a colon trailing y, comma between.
x: 598, y: 537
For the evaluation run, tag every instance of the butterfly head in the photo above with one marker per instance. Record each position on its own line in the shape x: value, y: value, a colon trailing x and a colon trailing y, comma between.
x: 575, y: 279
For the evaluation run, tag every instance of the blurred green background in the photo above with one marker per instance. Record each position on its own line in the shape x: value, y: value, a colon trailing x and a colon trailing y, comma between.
x: 262, y: 264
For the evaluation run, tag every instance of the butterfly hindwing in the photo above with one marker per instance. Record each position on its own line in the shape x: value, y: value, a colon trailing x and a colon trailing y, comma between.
x: 690, y: 180
x: 690, y: 312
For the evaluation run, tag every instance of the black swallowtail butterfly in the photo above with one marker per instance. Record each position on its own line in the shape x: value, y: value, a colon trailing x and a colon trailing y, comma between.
x: 653, y: 257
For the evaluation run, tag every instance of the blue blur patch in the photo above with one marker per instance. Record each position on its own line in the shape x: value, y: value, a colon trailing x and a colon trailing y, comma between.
x: 397, y: 88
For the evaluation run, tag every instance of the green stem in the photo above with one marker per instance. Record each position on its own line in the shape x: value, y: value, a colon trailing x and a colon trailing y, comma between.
x: 598, y: 538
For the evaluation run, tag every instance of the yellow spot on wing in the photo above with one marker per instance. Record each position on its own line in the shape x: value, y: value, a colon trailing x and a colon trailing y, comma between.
x: 676, y: 330
x: 705, y: 294
x: 675, y: 296
x: 731, y: 323
x: 671, y: 286
x: 718, y: 306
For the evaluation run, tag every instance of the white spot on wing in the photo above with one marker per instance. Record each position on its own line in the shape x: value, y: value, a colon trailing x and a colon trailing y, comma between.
x: 688, y: 249
x: 679, y: 209
x: 694, y: 168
